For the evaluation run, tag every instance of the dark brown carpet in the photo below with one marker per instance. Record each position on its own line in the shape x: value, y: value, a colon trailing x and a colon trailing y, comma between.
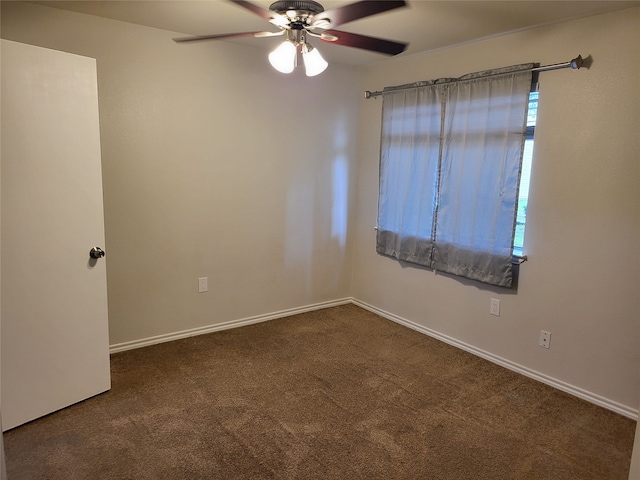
x: 333, y: 394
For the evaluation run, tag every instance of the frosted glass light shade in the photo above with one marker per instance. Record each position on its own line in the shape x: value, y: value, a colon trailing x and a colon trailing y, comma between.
x: 314, y: 64
x: 283, y: 58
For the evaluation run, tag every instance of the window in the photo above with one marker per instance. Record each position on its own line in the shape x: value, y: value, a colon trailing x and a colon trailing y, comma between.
x: 451, y: 153
x: 527, y: 157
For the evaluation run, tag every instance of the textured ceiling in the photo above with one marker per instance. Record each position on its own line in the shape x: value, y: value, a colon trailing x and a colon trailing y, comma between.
x: 425, y: 25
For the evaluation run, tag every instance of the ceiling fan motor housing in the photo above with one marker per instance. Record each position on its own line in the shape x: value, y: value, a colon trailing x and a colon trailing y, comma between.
x: 302, y: 7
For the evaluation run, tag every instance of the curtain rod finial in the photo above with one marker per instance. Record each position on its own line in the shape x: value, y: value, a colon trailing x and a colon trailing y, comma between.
x: 367, y: 94
x: 585, y: 62
x: 580, y: 62
x: 577, y: 62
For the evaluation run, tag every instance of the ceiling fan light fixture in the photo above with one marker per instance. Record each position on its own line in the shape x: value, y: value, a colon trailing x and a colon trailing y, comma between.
x: 299, y: 19
x: 314, y: 64
x: 283, y: 58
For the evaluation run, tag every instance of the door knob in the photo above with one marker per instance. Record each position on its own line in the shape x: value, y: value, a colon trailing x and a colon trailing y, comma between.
x: 96, y: 252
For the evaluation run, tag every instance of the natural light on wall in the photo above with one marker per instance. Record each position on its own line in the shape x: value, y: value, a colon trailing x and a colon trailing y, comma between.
x: 340, y: 181
x: 340, y: 185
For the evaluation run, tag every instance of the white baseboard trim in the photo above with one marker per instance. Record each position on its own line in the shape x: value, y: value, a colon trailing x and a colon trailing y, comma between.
x: 541, y: 377
x: 145, y: 342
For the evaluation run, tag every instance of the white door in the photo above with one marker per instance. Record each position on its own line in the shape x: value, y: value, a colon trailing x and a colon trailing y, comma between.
x: 55, y: 341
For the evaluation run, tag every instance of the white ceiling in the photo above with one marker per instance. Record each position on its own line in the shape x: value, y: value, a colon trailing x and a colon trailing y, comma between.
x: 424, y: 24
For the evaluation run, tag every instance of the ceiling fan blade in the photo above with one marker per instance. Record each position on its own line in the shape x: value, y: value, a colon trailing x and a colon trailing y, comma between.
x: 354, y: 11
x: 268, y: 15
x: 225, y: 35
x: 380, y: 45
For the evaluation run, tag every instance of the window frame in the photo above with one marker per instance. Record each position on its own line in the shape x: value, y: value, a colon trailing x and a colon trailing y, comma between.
x: 519, y: 255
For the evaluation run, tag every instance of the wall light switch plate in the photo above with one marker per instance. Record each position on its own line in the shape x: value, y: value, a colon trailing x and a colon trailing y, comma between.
x: 203, y: 285
x: 494, y: 307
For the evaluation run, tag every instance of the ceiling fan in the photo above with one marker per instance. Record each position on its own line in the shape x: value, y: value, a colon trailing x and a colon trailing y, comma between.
x: 300, y: 19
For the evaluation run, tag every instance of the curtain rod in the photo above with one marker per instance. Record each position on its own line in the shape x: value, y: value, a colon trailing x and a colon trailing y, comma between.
x: 575, y: 64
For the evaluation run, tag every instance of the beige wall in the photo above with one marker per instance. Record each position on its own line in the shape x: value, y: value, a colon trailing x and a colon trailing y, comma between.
x: 199, y: 180
x: 582, y: 280
x: 214, y: 165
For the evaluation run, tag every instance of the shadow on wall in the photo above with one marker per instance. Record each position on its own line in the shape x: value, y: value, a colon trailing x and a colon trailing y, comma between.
x: 317, y: 213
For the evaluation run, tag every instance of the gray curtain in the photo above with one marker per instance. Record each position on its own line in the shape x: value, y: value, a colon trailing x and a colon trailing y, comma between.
x: 451, y: 154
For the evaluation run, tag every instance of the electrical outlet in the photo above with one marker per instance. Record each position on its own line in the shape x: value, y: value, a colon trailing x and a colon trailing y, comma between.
x: 203, y: 286
x: 545, y: 339
x: 494, y: 307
